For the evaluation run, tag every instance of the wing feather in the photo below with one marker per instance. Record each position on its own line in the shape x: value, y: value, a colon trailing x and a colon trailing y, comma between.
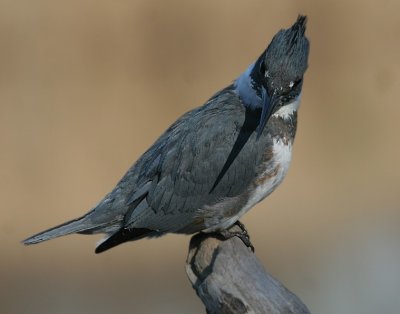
x: 184, y: 165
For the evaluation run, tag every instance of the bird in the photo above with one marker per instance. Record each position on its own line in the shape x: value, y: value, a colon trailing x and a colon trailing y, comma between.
x: 213, y: 163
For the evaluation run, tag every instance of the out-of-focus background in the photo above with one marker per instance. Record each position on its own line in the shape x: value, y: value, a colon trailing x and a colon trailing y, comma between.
x: 87, y: 86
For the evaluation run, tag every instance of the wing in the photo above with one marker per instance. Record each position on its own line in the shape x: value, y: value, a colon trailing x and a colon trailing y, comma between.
x: 207, y: 156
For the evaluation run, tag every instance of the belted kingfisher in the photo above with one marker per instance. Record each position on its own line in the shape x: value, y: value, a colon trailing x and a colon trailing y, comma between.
x: 215, y: 162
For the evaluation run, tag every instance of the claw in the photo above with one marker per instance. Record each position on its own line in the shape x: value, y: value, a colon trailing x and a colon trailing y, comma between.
x: 242, y: 235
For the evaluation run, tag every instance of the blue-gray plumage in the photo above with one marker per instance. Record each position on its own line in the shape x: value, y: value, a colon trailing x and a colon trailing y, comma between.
x: 215, y: 162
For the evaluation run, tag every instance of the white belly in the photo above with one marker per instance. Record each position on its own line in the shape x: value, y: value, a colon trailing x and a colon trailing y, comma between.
x: 281, y: 162
x: 279, y: 166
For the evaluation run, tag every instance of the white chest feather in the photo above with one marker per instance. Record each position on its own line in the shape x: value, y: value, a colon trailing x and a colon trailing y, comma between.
x: 273, y: 173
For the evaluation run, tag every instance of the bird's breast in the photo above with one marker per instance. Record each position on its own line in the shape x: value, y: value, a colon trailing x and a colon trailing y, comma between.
x: 272, y: 171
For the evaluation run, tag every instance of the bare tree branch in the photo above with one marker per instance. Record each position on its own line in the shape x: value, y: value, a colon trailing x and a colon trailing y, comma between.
x: 229, y: 278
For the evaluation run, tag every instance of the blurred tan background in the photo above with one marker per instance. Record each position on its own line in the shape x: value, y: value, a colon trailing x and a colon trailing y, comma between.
x: 87, y: 86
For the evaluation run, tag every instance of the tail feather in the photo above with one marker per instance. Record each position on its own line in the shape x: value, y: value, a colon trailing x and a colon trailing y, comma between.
x: 121, y: 236
x: 72, y: 226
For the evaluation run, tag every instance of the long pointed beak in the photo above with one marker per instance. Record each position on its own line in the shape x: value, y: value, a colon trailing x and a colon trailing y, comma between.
x: 269, y: 103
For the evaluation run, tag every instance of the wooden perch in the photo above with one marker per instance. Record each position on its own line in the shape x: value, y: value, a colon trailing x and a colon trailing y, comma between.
x: 229, y: 278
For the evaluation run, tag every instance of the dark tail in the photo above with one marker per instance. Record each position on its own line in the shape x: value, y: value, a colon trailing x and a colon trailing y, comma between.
x: 73, y: 226
x: 123, y: 235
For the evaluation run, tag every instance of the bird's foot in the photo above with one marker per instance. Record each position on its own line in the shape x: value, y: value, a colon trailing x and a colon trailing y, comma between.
x: 242, y: 235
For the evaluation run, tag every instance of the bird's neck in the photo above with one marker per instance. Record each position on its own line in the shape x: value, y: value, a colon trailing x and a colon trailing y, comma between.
x: 246, y: 88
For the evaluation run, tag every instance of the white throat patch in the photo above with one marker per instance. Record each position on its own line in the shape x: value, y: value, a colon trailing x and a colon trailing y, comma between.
x: 287, y: 110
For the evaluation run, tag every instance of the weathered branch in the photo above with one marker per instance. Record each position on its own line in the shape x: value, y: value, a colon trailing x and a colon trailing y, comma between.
x: 229, y: 278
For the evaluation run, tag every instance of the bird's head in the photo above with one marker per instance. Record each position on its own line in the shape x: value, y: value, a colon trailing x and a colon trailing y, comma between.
x: 275, y: 79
